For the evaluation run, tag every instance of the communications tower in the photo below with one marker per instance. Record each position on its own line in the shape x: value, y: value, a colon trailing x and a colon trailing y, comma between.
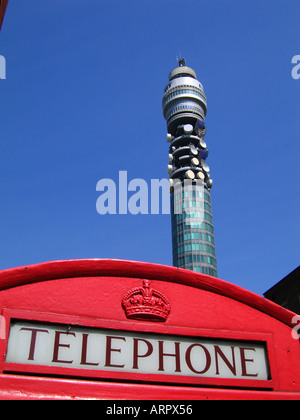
x: 184, y: 108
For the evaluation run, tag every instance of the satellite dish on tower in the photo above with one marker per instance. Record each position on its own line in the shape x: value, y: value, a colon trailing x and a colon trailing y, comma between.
x: 202, y: 143
x: 170, y: 169
x: 188, y: 128
x: 194, y: 151
x: 169, y: 138
x: 205, y: 167
x: 201, y: 175
x: 190, y: 174
x: 209, y: 183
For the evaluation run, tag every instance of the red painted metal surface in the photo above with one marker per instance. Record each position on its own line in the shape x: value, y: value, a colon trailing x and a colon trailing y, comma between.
x: 90, y: 293
x: 3, y: 6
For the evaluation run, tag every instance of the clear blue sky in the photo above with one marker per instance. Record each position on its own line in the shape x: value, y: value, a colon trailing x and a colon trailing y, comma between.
x: 82, y: 101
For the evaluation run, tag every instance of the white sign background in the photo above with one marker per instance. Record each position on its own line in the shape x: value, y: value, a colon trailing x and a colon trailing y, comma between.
x: 123, y: 351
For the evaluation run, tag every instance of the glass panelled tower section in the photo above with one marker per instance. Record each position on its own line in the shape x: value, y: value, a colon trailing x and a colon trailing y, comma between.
x: 184, y: 108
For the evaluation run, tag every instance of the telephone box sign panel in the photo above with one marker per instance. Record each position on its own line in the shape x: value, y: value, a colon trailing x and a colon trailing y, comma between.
x: 44, y: 345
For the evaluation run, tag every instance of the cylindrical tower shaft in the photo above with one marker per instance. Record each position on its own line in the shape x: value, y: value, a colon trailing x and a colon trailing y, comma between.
x: 184, y: 108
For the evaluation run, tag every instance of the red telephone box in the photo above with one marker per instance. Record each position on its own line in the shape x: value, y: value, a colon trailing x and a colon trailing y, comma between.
x: 3, y: 6
x: 110, y: 329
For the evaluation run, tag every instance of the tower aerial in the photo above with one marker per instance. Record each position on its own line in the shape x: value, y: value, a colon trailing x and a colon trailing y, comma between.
x: 184, y: 108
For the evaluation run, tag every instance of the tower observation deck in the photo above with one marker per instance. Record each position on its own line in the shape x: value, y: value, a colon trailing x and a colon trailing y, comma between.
x: 184, y: 108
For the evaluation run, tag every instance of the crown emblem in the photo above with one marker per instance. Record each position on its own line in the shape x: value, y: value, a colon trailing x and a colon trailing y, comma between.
x: 146, y: 303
